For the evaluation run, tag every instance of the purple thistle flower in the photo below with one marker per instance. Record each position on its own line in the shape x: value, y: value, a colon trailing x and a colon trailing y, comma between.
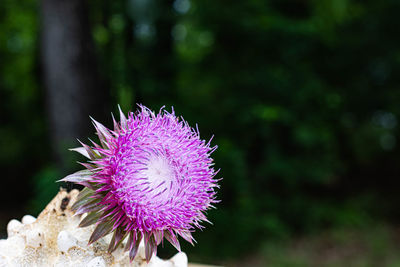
x: 150, y: 178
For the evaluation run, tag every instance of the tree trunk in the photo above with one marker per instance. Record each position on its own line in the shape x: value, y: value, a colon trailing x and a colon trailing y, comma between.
x: 73, y: 86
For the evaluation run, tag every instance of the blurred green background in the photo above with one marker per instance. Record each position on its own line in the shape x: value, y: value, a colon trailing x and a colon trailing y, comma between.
x: 302, y: 96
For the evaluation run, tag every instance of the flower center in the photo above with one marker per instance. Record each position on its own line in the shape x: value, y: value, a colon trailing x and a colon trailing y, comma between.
x: 160, y: 174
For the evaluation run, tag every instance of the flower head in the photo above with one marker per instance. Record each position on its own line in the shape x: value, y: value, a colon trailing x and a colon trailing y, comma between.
x: 150, y: 178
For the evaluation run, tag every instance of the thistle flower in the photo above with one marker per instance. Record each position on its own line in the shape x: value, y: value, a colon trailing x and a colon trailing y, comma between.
x: 150, y: 178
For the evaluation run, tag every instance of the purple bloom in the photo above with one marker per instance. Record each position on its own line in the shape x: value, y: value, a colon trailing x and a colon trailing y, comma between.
x: 151, y: 177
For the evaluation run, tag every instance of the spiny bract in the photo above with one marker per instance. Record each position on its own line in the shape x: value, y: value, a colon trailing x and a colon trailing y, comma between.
x: 151, y: 177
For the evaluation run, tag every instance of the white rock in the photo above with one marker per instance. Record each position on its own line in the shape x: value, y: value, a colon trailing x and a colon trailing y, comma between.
x: 4, y: 261
x: 65, y: 241
x: 35, y: 238
x: 15, y: 246
x: 16, y: 242
x: 97, y: 262
x: 3, y: 244
x: 28, y: 219
x: 13, y: 227
x: 157, y: 262
x: 54, y: 239
x: 180, y: 260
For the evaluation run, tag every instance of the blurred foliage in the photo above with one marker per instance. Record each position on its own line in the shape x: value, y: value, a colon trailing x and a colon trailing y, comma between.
x: 23, y: 142
x: 339, y: 247
x: 302, y: 97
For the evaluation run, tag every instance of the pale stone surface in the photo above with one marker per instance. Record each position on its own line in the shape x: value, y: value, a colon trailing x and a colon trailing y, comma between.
x: 65, y: 241
x: 54, y: 239
x: 97, y: 262
x: 27, y: 219
x: 34, y: 238
x: 13, y: 227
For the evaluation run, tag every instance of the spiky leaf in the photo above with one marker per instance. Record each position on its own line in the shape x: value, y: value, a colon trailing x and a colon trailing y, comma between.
x: 172, y: 239
x: 137, y: 237
x: 118, y: 236
x: 101, y: 230
x: 78, y: 177
x: 85, y: 204
x: 82, y: 151
x: 90, y: 219
x: 150, y: 248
